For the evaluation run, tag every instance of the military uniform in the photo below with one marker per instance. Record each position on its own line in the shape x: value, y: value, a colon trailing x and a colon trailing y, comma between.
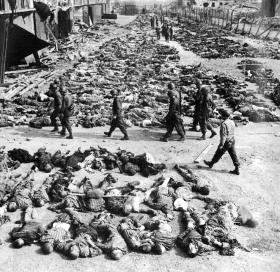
x: 67, y: 111
x: 57, y: 109
x: 173, y: 119
x: 117, y: 121
x: 227, y: 135
x: 205, y: 108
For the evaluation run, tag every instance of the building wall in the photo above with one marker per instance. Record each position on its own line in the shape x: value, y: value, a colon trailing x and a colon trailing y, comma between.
x: 26, y: 22
x: 96, y: 11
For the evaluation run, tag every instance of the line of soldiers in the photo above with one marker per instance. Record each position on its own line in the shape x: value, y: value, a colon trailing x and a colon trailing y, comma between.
x: 63, y: 108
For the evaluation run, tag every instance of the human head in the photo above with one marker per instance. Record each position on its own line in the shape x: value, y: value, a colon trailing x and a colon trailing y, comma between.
x: 18, y: 243
x: 198, y: 83
x: 147, y: 248
x: 12, y: 207
x: 170, y: 86
x: 114, y: 92
x: 47, y: 248
x: 53, y: 86
x: 74, y: 252
x: 39, y: 202
x: 224, y: 113
x: 192, y: 249
x: 205, y: 90
x: 171, y: 94
x: 62, y: 90
x: 96, y: 193
x: 116, y: 254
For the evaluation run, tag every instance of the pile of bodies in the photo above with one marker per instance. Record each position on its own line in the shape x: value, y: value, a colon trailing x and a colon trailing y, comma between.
x: 263, y: 77
x: 99, y: 159
x: 139, y: 67
x: 122, y: 218
x: 210, y: 42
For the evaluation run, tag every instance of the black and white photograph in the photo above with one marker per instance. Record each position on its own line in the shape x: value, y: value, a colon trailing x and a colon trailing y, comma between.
x: 139, y: 135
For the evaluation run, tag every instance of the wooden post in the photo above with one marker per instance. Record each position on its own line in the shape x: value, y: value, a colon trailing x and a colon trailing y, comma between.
x: 223, y: 18
x: 268, y: 32
x: 259, y: 27
x: 251, y: 27
x: 276, y: 36
x: 218, y: 19
x: 244, y: 24
x: 4, y: 30
x: 227, y: 18
x: 231, y: 17
x: 237, y: 26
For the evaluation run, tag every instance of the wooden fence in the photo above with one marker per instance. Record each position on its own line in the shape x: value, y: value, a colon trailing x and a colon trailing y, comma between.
x: 251, y: 25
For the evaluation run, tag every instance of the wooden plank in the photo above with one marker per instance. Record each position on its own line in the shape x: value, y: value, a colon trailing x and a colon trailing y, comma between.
x: 265, y: 31
x: 259, y: 27
x: 251, y: 26
x: 21, y: 71
x: 231, y: 17
x: 203, y: 153
x: 244, y: 24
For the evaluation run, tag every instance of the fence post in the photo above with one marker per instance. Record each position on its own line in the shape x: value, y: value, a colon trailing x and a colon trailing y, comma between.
x: 244, y: 24
x: 218, y: 19
x: 276, y: 36
x: 259, y: 27
x: 227, y: 18
x: 231, y: 17
x: 237, y: 26
x: 251, y: 26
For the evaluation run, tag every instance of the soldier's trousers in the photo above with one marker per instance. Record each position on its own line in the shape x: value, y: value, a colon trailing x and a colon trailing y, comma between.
x: 204, y: 125
x: 66, y: 123
x: 174, y: 122
x: 118, y: 123
x: 53, y: 117
x: 196, y: 117
x: 229, y: 147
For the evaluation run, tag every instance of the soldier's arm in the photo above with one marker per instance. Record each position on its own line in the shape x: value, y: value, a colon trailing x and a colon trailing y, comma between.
x: 223, y: 135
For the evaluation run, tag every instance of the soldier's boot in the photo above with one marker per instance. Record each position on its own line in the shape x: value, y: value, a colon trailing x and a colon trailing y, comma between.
x: 164, y: 139
x: 235, y: 171
x: 203, y: 137
x: 209, y: 163
x: 125, y: 137
x: 213, y: 133
x: 55, y: 129
x: 70, y: 134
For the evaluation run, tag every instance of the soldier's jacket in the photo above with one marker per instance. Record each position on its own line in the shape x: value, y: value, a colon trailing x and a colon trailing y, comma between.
x: 67, y: 105
x: 117, y: 107
x: 57, y: 101
x: 174, y: 107
x: 205, y: 106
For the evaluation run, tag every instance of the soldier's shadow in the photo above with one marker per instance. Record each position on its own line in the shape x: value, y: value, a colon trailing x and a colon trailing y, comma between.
x: 223, y: 171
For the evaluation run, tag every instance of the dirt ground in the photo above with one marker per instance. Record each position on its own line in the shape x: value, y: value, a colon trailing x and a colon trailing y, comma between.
x: 257, y: 188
